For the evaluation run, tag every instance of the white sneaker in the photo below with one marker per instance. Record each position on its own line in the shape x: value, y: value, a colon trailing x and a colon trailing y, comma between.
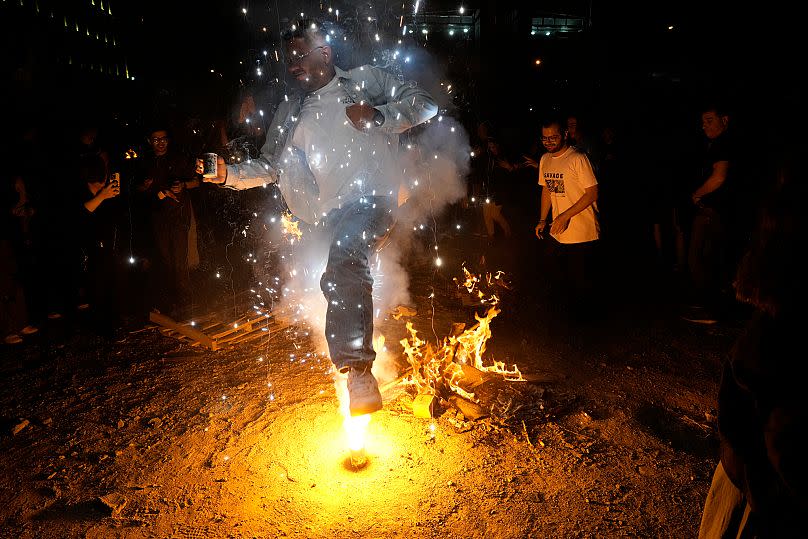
x: 13, y: 339
x: 29, y: 330
x: 363, y: 390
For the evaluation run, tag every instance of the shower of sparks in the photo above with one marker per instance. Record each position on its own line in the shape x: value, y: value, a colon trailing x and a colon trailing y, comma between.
x: 289, y: 291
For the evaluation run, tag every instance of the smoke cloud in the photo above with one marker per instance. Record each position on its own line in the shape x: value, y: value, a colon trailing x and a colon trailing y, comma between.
x: 434, y: 163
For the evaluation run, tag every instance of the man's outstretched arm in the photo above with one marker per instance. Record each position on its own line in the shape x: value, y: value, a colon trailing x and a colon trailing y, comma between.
x: 261, y: 171
x: 256, y: 173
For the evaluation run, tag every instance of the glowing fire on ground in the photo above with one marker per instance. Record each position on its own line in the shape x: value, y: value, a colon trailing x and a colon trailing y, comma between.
x: 438, y: 368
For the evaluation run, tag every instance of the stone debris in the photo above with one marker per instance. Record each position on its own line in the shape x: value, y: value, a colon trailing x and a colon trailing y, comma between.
x: 113, y: 502
x: 19, y: 427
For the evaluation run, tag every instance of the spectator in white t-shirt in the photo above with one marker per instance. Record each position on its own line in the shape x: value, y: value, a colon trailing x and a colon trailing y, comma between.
x: 570, y: 189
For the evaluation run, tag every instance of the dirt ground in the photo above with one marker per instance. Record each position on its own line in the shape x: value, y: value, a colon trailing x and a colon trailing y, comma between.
x: 141, y: 435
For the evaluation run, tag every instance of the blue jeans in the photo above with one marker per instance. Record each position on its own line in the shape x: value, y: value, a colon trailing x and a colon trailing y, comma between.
x: 347, y: 284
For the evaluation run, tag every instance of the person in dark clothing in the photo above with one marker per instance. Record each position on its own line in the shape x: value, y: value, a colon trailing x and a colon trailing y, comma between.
x: 167, y: 175
x: 715, y: 234
x: 496, y: 185
x: 97, y: 225
x: 489, y: 179
x: 15, y: 214
x: 35, y: 231
x: 760, y: 486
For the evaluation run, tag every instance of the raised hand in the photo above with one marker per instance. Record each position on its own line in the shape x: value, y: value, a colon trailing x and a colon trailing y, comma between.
x: 221, y: 171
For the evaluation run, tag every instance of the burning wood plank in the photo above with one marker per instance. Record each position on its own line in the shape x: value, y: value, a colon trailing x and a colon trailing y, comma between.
x: 450, y: 371
x: 426, y: 406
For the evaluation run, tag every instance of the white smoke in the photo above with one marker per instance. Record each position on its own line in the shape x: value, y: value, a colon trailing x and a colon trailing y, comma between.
x: 434, y: 159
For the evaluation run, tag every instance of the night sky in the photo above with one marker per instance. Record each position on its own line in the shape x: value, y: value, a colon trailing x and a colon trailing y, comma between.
x: 627, y: 61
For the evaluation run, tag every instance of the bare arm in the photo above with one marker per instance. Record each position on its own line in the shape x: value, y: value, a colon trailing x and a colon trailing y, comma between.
x: 716, y: 179
x: 546, y: 204
x: 561, y: 222
x: 108, y: 191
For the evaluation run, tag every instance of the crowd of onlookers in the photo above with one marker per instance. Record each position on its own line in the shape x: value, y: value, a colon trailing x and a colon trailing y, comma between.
x: 724, y: 216
x: 651, y: 228
x: 117, y: 227
x: 102, y: 226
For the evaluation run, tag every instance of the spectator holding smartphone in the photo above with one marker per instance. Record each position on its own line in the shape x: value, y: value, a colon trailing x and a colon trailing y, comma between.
x: 98, y: 226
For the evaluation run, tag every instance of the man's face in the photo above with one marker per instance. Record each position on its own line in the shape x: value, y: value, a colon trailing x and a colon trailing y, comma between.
x: 713, y: 125
x: 552, y: 138
x: 310, y: 65
x: 159, y: 142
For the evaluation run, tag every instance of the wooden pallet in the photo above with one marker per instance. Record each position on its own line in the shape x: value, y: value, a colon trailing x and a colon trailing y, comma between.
x: 215, y: 333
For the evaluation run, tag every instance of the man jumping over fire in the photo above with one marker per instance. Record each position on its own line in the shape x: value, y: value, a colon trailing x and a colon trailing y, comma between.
x: 332, y: 150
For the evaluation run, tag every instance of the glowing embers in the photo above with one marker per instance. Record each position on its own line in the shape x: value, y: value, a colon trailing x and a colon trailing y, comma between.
x: 474, y: 285
x: 290, y: 227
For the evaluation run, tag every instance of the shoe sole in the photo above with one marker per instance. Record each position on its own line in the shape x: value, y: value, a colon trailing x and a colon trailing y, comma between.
x: 363, y: 410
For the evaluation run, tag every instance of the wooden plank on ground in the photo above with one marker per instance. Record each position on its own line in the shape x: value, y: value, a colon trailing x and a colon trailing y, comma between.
x: 183, y: 329
x: 257, y: 336
x: 232, y: 327
x: 241, y: 326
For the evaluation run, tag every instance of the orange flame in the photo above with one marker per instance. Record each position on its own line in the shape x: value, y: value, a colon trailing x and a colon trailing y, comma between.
x: 443, y: 366
x: 472, y: 284
x: 290, y: 227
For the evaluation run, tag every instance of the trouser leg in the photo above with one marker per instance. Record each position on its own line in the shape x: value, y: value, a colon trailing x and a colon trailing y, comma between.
x: 347, y: 282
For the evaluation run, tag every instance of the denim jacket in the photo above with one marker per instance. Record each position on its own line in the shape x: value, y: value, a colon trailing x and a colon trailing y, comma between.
x: 403, y: 105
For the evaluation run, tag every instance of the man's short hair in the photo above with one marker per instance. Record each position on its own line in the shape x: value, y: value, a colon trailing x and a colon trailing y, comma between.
x: 155, y: 128
x: 555, y: 119
x: 310, y: 30
x: 720, y: 108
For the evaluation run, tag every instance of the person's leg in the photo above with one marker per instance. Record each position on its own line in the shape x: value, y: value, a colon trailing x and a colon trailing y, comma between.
x: 102, y: 293
x: 696, y: 261
x: 723, y: 508
x: 13, y: 315
x: 706, y: 262
x: 348, y: 285
x: 179, y: 264
x: 163, y: 270
x: 499, y: 218
x: 488, y: 218
x: 580, y: 270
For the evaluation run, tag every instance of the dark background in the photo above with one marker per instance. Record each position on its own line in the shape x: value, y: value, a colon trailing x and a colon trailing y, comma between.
x: 192, y: 59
